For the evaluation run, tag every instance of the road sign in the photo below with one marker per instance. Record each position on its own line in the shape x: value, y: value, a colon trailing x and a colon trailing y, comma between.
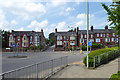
x: 90, y: 43
x: 13, y: 45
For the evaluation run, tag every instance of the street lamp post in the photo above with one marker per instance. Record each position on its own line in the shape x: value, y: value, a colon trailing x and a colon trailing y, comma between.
x: 87, y: 30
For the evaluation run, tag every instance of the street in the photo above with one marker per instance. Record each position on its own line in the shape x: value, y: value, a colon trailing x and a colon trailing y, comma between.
x: 35, y: 57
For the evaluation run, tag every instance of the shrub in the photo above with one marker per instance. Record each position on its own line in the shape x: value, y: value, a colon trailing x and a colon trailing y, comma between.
x: 103, y: 58
x: 85, y: 47
x: 41, y: 46
x: 115, y: 76
x: 96, y: 45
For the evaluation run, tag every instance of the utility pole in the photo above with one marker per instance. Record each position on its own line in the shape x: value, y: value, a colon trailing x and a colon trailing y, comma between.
x: 87, y: 31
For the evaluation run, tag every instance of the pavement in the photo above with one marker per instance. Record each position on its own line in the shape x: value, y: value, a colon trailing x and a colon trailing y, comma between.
x: 78, y: 70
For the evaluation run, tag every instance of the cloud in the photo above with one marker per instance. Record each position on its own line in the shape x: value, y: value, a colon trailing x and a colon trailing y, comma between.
x: 82, y: 20
x: 62, y: 26
x: 38, y: 25
x: 4, y: 24
x: 14, y: 22
x: 26, y: 9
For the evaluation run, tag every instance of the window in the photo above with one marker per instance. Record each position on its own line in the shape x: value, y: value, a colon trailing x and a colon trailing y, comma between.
x: 72, y: 38
x: 82, y: 40
x: 85, y: 36
x: 67, y: 37
x: 91, y: 35
x: 35, y: 38
x: 59, y: 42
x: 59, y: 37
x: 91, y: 40
x: 81, y: 35
x: 107, y: 39
x: 64, y: 37
x: 113, y: 34
x: 72, y: 42
x: 107, y: 35
x: 116, y: 39
x: 97, y: 35
x: 18, y: 38
x: 113, y: 39
x: 101, y: 35
x: 97, y: 40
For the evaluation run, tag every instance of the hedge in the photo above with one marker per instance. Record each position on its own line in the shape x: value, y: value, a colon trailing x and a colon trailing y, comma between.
x: 115, y: 76
x: 98, y: 52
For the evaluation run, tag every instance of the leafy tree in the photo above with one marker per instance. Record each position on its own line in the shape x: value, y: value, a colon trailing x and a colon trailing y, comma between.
x: 113, y: 12
x: 51, y: 38
x: 5, y: 38
x: 46, y: 41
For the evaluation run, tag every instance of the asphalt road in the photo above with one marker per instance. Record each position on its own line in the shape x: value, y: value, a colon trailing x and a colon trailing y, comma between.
x: 35, y: 57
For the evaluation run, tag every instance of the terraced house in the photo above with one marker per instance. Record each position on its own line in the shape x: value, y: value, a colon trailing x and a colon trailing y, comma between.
x: 65, y: 40
x: 101, y: 36
x: 26, y: 38
x: 72, y: 39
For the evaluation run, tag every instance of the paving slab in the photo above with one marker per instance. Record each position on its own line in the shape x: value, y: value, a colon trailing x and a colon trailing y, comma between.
x: 78, y: 70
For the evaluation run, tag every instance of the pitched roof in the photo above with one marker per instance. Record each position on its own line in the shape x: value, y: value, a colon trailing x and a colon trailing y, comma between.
x: 28, y: 33
x: 96, y: 31
x: 65, y: 33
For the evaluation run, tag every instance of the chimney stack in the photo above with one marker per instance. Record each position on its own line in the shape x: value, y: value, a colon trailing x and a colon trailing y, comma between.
x: 91, y: 28
x: 42, y: 31
x: 106, y: 27
x: 12, y: 30
x: 75, y: 30
x: 55, y: 30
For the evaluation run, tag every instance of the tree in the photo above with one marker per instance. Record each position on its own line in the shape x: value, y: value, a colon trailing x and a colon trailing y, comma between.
x: 113, y: 12
x: 51, y: 38
x: 5, y: 38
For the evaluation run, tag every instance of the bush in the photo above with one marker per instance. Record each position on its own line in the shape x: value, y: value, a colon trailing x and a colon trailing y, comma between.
x: 33, y: 47
x: 115, y: 76
x: 85, y: 47
x: 96, y: 45
x: 103, y: 58
x: 41, y: 46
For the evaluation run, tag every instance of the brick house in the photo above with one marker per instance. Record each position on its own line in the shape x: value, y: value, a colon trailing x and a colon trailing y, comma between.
x: 101, y: 36
x: 65, y: 40
x: 26, y: 38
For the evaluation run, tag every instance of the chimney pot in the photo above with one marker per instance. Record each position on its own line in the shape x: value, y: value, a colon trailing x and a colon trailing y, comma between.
x: 106, y: 27
x: 91, y: 28
x: 55, y: 30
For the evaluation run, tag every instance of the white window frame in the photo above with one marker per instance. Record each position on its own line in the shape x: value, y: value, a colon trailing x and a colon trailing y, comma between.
x: 97, y: 40
x: 59, y: 42
x: 101, y: 35
x: 113, y: 39
x: 72, y: 38
x: 113, y: 34
x: 59, y: 37
x: 81, y: 35
x: 91, y: 40
x: 85, y: 36
x: 81, y: 41
x: 97, y: 34
x: 107, y: 35
x: 107, y: 40
x: 72, y: 42
x: 91, y: 35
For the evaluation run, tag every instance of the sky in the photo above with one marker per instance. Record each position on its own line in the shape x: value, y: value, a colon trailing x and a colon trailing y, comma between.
x: 34, y: 15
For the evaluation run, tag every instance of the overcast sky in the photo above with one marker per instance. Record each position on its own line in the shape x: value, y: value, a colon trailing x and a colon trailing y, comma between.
x: 48, y: 15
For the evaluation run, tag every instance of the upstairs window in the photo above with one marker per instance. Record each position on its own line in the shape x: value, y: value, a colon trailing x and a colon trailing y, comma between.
x: 72, y: 38
x: 97, y: 40
x: 91, y: 35
x: 101, y: 35
x: 113, y: 34
x: 59, y: 37
x: 98, y: 35
x: 107, y: 35
x: 81, y: 35
x: 85, y: 36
